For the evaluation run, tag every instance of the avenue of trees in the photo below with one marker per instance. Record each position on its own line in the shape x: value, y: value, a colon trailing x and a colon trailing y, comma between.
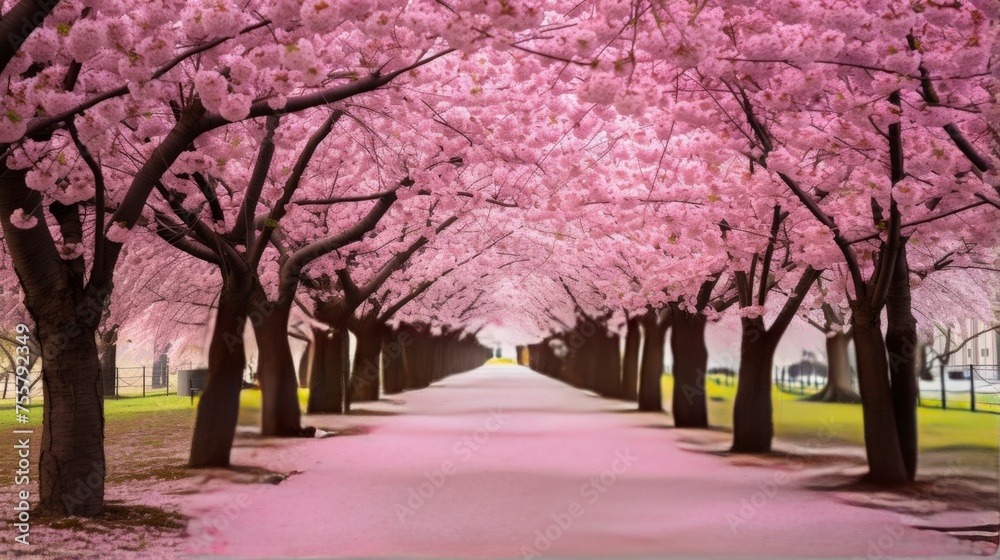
x: 604, y: 177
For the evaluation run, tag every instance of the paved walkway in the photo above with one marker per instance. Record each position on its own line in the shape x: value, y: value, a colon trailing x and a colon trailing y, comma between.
x: 504, y: 462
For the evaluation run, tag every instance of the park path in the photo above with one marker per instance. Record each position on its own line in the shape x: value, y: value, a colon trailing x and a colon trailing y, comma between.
x: 504, y: 462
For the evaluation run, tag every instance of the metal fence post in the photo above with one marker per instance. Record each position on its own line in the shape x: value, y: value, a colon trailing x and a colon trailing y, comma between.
x: 143, y: 381
x: 944, y: 402
x: 116, y: 385
x: 972, y: 388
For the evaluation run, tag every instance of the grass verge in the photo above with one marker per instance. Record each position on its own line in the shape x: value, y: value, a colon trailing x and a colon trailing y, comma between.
x: 796, y: 418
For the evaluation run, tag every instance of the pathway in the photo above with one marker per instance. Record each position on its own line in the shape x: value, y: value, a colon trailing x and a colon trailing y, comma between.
x: 504, y: 462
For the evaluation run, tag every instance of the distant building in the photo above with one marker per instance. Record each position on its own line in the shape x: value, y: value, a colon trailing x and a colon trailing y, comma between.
x: 808, y: 365
x: 981, y: 352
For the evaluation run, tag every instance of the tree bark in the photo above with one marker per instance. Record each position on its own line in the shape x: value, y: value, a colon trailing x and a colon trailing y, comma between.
x: 522, y: 355
x: 66, y: 313
x: 651, y: 372
x: 544, y: 360
x: 753, y: 426
x: 281, y: 414
x: 607, y: 363
x: 437, y: 359
x: 630, y: 360
x: 71, y: 465
x: 109, y: 356
x: 536, y: 358
x: 219, y: 406
x: 838, y: 388
x: 330, y: 368
x: 419, y: 359
x: 406, y: 365
x: 687, y: 344
x: 366, y: 371
x: 886, y: 466
x: 902, y: 347
x: 577, y: 369
x: 392, y: 347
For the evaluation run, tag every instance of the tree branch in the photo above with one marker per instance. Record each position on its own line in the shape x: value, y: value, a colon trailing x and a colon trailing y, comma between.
x: 291, y: 185
x: 243, y: 229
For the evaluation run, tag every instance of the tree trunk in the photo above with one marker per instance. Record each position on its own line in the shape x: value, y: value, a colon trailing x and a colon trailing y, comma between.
x: 437, y: 369
x: 391, y: 347
x: 608, y: 363
x: 109, y: 357
x: 66, y: 313
x: 650, y: 392
x: 219, y: 406
x: 580, y: 367
x: 406, y: 366
x: 418, y: 359
x: 570, y: 371
x: 71, y: 466
x: 544, y: 360
x: 886, y: 466
x: 687, y: 343
x: 630, y: 360
x: 281, y: 414
x: 923, y: 368
x: 839, y: 388
x: 753, y: 426
x: 537, y: 358
x: 366, y: 370
x: 901, y: 344
x: 330, y: 367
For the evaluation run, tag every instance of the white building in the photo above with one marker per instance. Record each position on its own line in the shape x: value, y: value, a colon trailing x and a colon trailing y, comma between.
x: 974, y: 350
x: 981, y: 350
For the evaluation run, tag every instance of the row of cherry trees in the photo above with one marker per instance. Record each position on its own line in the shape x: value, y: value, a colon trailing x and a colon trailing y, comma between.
x: 569, y: 170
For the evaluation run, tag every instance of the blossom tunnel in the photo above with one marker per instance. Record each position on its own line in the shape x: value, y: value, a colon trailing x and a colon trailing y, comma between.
x: 327, y: 205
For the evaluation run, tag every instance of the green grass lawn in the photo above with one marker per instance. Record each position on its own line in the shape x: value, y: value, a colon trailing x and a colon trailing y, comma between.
x: 797, y: 419
x: 128, y: 408
x: 114, y: 409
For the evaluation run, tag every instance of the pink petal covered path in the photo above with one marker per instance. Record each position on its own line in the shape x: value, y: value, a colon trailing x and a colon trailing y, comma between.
x: 504, y: 462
